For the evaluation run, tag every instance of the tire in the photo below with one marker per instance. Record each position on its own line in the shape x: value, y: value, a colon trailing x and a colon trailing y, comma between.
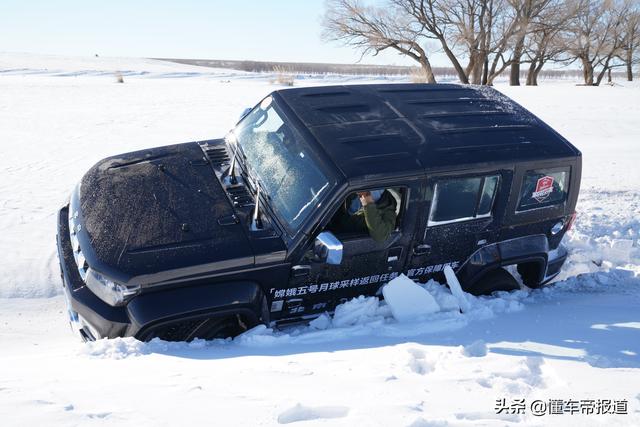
x: 529, y: 272
x: 207, y: 328
x: 218, y: 327
x: 493, y: 281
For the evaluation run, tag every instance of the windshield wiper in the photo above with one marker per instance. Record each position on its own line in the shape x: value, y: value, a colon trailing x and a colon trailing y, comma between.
x: 250, y: 180
x: 256, y: 220
x: 231, y: 178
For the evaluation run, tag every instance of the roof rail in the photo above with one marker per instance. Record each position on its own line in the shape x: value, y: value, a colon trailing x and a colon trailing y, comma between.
x: 494, y: 128
x: 366, y: 138
x: 449, y: 100
x: 466, y: 113
x: 482, y: 146
x: 326, y: 94
x: 386, y: 156
x: 431, y: 88
x: 345, y: 108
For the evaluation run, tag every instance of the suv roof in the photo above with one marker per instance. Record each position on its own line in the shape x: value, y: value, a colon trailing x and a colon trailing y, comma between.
x: 404, y: 128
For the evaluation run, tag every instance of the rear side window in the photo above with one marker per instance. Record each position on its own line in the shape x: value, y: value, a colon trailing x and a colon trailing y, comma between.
x: 543, y: 188
x: 463, y: 199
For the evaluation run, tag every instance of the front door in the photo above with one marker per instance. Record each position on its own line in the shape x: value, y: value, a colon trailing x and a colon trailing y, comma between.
x: 366, y: 264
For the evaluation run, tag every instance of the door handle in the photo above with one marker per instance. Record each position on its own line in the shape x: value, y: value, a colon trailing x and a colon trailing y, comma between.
x: 300, y: 270
x: 421, y: 249
x: 394, y: 254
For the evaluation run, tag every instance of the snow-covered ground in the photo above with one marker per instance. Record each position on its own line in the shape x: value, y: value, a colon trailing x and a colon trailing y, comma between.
x: 576, y: 340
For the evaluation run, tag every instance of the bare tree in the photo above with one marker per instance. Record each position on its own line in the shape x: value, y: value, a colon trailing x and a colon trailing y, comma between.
x: 594, y: 36
x: 630, y: 40
x: 478, y: 30
x: 405, y: 25
x: 543, y: 46
x: 469, y: 35
x: 547, y: 40
x: 488, y: 30
x: 431, y: 17
x: 482, y: 38
x: 483, y: 31
x: 526, y: 12
x: 373, y: 30
x: 488, y: 34
x: 503, y: 30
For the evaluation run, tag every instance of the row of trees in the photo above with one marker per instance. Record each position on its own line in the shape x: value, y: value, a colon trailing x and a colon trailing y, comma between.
x: 484, y: 38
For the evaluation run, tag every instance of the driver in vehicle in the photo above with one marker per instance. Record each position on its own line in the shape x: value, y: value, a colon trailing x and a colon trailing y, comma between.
x: 372, y: 212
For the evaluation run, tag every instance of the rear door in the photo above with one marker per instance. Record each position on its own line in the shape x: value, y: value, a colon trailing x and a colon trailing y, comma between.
x: 462, y: 214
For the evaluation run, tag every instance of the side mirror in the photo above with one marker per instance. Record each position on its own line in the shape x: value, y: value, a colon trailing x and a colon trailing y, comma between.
x: 328, y: 248
x: 244, y: 113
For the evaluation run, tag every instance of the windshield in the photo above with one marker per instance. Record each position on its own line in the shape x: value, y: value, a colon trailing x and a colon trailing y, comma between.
x: 288, y: 172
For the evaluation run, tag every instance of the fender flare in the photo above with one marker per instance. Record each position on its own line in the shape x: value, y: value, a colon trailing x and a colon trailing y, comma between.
x: 509, y: 252
x: 157, y: 308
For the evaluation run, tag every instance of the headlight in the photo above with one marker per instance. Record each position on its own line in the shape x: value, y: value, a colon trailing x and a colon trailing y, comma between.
x: 107, y: 290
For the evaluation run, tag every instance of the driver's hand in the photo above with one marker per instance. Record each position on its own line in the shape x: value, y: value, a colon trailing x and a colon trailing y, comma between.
x: 365, y: 198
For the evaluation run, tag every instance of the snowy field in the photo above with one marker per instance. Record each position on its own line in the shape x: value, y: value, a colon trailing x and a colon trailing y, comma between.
x: 577, y: 340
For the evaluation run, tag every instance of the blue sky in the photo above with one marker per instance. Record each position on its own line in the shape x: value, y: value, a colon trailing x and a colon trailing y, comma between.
x: 274, y: 30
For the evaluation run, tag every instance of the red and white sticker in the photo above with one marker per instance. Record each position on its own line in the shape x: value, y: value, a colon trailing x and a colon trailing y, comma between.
x: 544, y: 187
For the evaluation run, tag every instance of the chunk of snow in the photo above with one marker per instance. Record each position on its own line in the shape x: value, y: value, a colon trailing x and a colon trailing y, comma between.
x: 421, y: 422
x: 321, y: 322
x: 620, y: 250
x: 456, y: 289
x: 442, y: 294
x: 407, y: 300
x: 305, y: 413
x: 418, y: 362
x: 475, y: 349
x: 356, y: 311
x: 258, y: 336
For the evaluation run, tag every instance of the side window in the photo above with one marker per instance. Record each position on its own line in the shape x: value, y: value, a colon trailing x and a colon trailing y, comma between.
x: 349, y: 220
x: 543, y: 188
x: 463, y: 199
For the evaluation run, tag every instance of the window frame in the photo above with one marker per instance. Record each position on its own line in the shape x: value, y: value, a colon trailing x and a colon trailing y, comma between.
x: 567, y: 169
x: 432, y: 223
x: 400, y: 217
x: 326, y: 167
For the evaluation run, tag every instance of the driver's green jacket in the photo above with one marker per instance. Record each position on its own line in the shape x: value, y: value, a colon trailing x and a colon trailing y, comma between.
x: 378, y: 219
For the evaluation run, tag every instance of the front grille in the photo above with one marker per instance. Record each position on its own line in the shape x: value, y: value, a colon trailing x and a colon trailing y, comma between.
x: 78, y: 256
x: 217, y: 155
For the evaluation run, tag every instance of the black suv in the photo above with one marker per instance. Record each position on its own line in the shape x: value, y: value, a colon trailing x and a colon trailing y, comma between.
x: 206, y: 239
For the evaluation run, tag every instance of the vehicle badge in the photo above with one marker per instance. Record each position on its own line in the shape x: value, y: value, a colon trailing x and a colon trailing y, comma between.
x: 544, y: 187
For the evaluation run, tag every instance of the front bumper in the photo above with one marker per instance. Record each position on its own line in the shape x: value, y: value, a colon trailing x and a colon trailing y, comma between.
x: 170, y: 314
x: 91, y: 317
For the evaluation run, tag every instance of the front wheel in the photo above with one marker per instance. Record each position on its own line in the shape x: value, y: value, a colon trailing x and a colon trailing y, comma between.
x: 218, y: 327
x: 207, y: 328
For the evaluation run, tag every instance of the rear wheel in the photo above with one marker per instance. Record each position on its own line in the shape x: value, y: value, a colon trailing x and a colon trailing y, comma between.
x: 495, y: 280
x: 530, y: 273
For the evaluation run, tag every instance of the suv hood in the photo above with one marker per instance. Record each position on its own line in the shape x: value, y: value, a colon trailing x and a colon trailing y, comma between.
x: 155, y: 215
